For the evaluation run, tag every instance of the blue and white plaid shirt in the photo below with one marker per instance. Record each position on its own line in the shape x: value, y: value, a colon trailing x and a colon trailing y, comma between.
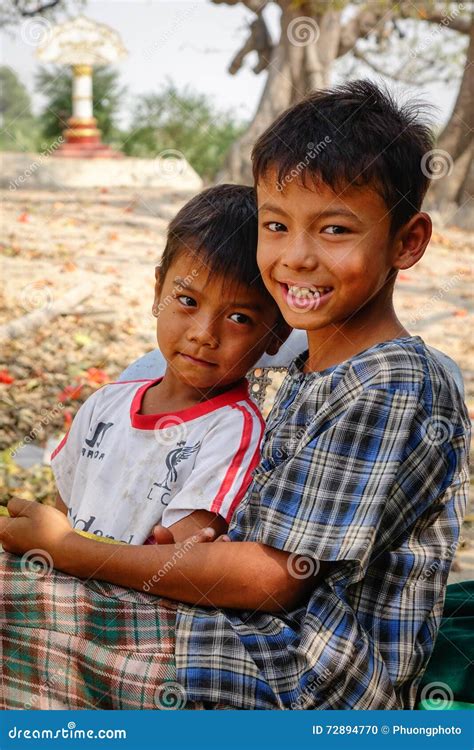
x: 364, y: 467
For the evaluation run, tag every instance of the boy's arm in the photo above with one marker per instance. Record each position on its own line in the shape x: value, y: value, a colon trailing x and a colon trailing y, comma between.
x: 242, y: 575
x: 61, y: 505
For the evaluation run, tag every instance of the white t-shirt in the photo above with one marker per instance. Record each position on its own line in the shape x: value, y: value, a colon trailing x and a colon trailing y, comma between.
x: 120, y: 472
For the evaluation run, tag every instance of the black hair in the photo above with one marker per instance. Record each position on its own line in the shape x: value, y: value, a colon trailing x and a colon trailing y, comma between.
x: 219, y: 227
x: 354, y: 134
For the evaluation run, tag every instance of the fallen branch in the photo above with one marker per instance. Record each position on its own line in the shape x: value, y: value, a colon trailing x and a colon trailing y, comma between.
x: 34, y: 319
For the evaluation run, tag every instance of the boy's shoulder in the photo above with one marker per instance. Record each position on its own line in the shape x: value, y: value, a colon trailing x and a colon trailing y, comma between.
x: 409, y: 366
x: 114, y: 392
x: 405, y: 364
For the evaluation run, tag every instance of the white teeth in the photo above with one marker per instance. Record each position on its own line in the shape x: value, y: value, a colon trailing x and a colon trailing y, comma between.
x: 305, y: 292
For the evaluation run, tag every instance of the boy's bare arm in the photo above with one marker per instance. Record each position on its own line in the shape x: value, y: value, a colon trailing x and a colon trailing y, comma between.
x: 61, y: 505
x: 242, y: 575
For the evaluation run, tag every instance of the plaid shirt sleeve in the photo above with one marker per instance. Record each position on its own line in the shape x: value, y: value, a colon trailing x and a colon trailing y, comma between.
x: 364, y: 467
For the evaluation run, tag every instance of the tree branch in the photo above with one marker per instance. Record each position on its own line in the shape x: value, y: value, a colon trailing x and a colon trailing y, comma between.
x: 373, y: 20
x: 258, y: 41
x: 398, y: 75
x: 256, y: 6
x: 26, y: 11
x: 436, y: 15
x: 367, y: 21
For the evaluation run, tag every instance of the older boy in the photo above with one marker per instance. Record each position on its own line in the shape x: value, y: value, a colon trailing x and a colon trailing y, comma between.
x: 331, y: 591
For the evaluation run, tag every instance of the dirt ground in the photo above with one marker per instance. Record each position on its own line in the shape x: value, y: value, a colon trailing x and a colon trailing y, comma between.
x: 54, y: 242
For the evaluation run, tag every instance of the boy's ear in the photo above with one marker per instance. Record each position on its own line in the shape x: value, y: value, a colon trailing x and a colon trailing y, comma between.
x: 412, y: 241
x: 281, y: 331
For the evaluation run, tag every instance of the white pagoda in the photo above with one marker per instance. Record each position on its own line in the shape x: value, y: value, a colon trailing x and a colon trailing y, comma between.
x: 82, y: 43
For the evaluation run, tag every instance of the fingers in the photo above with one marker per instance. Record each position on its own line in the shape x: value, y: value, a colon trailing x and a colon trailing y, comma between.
x: 162, y: 535
x: 223, y: 538
x: 204, y: 535
x: 20, y: 507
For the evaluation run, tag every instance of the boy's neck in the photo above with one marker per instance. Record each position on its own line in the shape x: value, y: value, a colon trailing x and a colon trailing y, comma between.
x: 171, y: 395
x: 335, y: 344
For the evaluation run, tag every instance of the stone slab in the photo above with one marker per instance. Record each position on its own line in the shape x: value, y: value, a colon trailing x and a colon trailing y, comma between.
x: 29, y: 170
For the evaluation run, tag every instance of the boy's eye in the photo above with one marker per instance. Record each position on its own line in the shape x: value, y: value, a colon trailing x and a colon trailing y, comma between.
x: 335, y: 229
x: 240, y: 318
x: 186, y: 301
x: 275, y: 226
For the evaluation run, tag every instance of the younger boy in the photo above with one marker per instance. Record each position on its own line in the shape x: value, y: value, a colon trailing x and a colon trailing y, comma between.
x: 330, y: 593
x: 180, y: 450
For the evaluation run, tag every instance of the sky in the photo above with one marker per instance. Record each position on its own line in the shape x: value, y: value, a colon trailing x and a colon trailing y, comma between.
x: 190, y: 42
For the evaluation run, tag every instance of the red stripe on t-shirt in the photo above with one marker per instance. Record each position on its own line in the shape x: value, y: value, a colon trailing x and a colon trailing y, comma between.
x: 60, y: 446
x: 236, y: 462
x: 253, y: 465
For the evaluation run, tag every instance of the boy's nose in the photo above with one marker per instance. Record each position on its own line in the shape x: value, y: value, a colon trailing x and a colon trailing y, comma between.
x: 300, y: 254
x: 203, y: 334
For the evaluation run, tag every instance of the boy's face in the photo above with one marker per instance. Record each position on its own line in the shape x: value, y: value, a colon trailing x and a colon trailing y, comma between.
x: 211, y: 331
x: 324, y: 257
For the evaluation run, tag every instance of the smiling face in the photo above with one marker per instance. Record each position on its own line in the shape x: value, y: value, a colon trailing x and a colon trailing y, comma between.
x: 210, y: 330
x: 329, y: 261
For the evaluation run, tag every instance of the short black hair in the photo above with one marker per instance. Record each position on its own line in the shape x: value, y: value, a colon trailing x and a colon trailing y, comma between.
x: 219, y: 227
x: 354, y: 134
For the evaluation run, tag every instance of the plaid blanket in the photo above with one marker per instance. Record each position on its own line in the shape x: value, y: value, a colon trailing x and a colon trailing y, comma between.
x: 73, y: 644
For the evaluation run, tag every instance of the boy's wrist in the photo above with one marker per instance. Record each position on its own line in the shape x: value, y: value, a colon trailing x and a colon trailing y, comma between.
x: 66, y: 553
x: 76, y: 556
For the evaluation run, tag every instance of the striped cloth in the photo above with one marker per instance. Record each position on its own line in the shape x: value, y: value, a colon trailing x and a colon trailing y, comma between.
x: 70, y: 644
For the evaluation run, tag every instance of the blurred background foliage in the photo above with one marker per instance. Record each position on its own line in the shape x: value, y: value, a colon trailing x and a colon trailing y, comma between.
x: 180, y: 119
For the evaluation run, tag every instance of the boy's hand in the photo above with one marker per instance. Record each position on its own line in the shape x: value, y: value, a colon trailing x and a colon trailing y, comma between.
x: 200, y: 526
x: 163, y: 535
x: 34, y: 526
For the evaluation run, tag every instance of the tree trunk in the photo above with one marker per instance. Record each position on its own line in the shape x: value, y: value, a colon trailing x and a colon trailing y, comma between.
x: 300, y: 62
x: 464, y: 216
x: 457, y: 140
x: 275, y: 98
